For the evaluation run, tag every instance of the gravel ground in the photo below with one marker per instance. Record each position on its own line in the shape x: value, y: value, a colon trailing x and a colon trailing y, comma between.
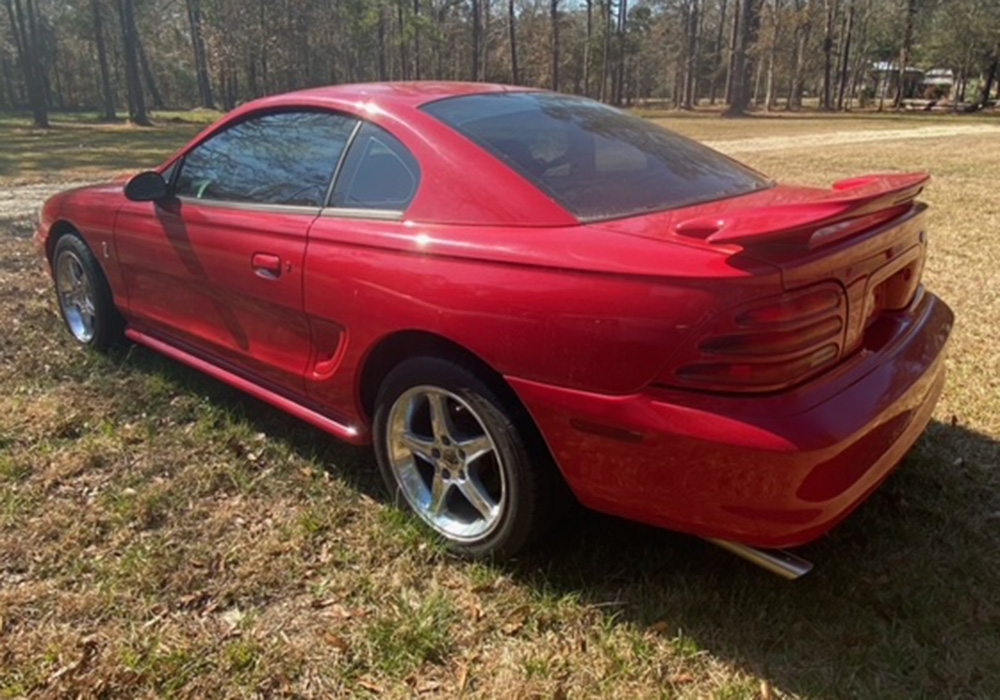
x: 19, y: 205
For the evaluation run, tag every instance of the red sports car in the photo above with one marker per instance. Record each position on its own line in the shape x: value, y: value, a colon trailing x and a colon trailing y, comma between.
x: 510, y: 291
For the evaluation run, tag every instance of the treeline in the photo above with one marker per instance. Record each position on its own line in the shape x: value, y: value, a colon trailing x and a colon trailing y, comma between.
x: 746, y: 54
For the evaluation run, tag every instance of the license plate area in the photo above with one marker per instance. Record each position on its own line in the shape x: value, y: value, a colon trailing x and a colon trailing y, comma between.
x: 893, y: 286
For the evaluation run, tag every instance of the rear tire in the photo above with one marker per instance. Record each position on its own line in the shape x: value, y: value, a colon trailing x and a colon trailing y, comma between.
x: 453, y: 451
x: 83, y: 295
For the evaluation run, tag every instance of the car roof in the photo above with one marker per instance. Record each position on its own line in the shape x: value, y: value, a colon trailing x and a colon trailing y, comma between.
x: 496, y: 195
x: 411, y: 93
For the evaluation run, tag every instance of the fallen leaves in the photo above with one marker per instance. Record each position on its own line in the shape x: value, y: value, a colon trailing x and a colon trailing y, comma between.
x: 88, y: 649
x: 662, y: 628
x: 516, y: 620
x: 337, y: 641
x: 370, y: 685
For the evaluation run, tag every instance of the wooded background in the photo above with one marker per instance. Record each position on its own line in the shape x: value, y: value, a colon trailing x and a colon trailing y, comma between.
x: 133, y: 55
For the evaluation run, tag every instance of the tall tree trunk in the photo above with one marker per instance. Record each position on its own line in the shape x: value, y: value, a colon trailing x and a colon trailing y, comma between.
x: 8, y: 80
x: 107, y: 93
x: 733, y: 42
x: 136, y: 101
x: 39, y: 69
x: 27, y: 48
x: 769, y: 97
x: 606, y: 58
x: 554, y: 20
x: 757, y: 97
x: 991, y: 75
x: 200, y: 57
x: 904, y: 52
x: 883, y: 86
x: 743, y: 68
x: 515, y: 76
x: 253, y: 83
x: 417, y: 73
x: 586, y: 47
x: 57, y: 79
x: 846, y: 57
x: 17, y: 88
x: 803, y: 28
x: 860, y: 60
x: 264, y: 63
x: 485, y: 5
x: 382, y: 69
x: 620, y: 79
x: 831, y: 16
x: 5, y: 84
x: 691, y: 56
x: 477, y: 31
x: 719, y: 53
x: 404, y: 59
x: 147, y: 74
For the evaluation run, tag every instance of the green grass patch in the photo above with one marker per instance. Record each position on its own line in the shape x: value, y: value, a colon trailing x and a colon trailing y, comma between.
x: 78, y: 146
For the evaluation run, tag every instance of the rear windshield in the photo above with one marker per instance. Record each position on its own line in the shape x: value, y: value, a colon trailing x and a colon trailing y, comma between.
x: 598, y: 162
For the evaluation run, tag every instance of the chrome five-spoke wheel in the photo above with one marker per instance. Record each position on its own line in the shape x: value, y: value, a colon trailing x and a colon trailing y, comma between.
x: 447, y: 466
x: 457, y: 449
x: 76, y: 295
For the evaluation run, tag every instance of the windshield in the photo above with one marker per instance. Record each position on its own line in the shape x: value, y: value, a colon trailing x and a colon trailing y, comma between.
x: 598, y: 162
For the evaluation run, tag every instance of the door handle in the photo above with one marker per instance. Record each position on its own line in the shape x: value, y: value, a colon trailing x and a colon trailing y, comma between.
x: 266, y: 265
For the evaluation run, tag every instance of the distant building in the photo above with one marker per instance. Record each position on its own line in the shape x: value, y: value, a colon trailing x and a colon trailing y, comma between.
x: 883, y: 78
x: 937, y: 83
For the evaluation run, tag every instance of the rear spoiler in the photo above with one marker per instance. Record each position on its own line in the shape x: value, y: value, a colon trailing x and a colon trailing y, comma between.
x: 851, y: 205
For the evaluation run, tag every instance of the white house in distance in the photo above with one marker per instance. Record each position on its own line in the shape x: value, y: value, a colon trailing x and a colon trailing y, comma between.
x: 883, y: 78
x: 938, y: 80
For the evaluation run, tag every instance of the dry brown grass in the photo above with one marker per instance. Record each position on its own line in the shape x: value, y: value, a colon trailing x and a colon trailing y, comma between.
x: 164, y: 536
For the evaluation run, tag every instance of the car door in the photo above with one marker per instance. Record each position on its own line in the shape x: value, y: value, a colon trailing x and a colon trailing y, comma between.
x: 218, y: 266
x: 376, y: 182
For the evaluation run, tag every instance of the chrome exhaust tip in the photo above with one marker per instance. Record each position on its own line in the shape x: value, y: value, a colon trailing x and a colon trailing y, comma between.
x: 777, y: 561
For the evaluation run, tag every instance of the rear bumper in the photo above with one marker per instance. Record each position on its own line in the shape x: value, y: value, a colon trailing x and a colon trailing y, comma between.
x: 771, y: 471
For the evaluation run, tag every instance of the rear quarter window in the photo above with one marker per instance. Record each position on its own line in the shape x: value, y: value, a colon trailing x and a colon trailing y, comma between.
x: 379, y: 173
x: 597, y: 161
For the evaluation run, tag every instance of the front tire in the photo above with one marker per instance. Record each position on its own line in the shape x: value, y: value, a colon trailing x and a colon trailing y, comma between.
x: 452, y: 450
x: 84, y: 297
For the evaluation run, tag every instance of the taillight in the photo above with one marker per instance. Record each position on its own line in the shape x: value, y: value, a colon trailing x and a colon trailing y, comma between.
x: 769, y: 345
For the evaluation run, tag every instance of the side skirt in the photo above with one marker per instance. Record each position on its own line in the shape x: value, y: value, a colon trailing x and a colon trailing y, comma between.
x: 347, y: 433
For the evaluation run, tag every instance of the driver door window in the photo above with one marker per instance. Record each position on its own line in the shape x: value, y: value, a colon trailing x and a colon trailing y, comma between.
x: 284, y: 158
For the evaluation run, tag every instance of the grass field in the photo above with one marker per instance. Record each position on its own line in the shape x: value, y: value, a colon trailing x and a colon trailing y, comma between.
x: 164, y: 536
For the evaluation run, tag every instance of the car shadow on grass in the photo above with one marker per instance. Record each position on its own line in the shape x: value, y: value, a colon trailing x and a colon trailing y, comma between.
x: 352, y: 464
x: 902, y: 601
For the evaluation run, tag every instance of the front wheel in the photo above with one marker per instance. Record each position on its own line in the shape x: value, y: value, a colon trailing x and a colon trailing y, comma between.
x: 84, y: 296
x: 451, y: 449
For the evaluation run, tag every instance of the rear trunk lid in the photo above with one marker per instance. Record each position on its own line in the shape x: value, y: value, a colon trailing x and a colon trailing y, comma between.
x: 864, y: 235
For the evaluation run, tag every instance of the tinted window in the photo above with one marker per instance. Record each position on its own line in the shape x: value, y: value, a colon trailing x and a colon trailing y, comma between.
x: 597, y: 161
x: 379, y: 173
x: 284, y: 158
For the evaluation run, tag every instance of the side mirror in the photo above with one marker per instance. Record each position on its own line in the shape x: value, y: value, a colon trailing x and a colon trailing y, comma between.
x: 147, y: 186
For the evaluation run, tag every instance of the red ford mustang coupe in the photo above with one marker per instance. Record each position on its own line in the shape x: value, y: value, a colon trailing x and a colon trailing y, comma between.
x: 510, y: 291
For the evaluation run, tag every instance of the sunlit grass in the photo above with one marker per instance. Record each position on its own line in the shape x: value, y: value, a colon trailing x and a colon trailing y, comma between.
x: 78, y: 146
x: 162, y: 535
